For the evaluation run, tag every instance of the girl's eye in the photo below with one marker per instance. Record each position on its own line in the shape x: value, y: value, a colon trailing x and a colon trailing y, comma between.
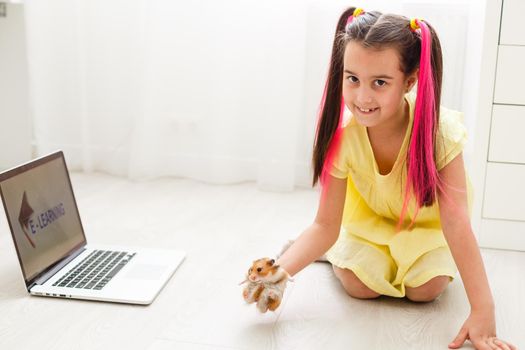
x: 259, y: 269
x: 380, y: 82
x: 352, y: 79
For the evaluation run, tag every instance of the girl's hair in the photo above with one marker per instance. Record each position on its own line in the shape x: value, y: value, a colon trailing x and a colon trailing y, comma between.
x: 416, y: 49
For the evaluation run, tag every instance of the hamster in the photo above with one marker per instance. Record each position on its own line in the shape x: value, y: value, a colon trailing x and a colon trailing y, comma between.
x: 266, y: 284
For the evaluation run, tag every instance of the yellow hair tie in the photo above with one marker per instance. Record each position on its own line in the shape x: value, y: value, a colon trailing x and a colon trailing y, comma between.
x: 413, y: 24
x: 357, y: 12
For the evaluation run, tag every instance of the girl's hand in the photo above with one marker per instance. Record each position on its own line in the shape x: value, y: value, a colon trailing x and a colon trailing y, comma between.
x: 480, y: 328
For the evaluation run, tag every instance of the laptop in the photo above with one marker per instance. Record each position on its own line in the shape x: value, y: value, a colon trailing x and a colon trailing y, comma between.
x: 52, y: 248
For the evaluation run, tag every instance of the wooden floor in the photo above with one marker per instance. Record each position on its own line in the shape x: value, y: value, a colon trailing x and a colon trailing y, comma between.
x: 222, y: 229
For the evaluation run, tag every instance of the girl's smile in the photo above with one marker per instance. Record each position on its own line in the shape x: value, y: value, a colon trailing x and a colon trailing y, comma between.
x: 367, y: 111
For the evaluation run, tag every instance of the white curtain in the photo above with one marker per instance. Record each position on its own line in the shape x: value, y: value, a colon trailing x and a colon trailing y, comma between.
x: 218, y: 91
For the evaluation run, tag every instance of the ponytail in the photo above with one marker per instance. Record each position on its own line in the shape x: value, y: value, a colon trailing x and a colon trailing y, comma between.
x: 330, y: 118
x: 422, y: 177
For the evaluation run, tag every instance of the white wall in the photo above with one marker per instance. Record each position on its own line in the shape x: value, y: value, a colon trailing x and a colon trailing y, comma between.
x: 15, y: 133
x: 15, y: 126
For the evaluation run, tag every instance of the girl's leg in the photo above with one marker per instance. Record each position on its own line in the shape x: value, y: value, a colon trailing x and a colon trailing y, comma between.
x: 353, y: 285
x: 429, y: 290
x: 421, y: 285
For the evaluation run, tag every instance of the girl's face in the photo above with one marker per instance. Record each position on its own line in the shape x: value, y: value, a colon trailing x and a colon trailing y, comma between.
x: 374, y: 85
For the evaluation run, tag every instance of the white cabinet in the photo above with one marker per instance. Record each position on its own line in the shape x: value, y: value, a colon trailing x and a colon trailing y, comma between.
x: 510, y: 75
x: 499, y: 214
x: 512, y: 29
x: 503, y: 191
x: 507, y: 132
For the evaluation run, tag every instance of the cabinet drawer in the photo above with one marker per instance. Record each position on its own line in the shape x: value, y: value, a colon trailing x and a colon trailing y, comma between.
x: 502, y: 234
x: 512, y: 29
x: 504, y: 192
x: 510, y: 75
x: 507, y: 141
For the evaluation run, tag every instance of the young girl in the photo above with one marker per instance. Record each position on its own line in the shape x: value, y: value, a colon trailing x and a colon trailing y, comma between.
x: 384, y: 171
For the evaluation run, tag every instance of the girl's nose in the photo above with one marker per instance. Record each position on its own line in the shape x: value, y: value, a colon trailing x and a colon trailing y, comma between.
x: 364, y: 97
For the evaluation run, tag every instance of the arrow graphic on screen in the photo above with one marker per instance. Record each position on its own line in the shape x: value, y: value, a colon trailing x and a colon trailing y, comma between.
x: 25, y: 214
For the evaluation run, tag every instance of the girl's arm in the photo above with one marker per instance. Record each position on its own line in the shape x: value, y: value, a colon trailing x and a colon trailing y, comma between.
x: 480, y: 327
x: 455, y: 221
x: 323, y: 232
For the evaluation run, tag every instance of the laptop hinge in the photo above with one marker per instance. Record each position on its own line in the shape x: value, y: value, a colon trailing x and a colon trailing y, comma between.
x: 43, y: 279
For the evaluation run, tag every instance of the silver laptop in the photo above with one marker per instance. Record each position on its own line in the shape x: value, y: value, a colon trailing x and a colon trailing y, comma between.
x: 52, y: 248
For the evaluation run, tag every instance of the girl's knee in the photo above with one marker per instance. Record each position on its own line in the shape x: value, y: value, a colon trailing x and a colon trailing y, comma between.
x: 353, y: 285
x: 429, y: 291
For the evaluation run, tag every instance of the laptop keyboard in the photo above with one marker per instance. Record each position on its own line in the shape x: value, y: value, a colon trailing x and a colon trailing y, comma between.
x: 95, y: 270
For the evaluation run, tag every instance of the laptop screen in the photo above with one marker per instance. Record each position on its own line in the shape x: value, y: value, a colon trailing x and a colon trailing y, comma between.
x: 42, y: 213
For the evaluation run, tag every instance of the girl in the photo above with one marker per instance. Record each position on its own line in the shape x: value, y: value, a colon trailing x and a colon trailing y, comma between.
x: 384, y: 172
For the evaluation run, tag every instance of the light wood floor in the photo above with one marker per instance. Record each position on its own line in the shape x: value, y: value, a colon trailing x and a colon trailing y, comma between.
x: 222, y: 229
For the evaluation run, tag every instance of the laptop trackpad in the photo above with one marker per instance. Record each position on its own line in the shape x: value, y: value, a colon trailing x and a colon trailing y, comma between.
x: 146, y: 271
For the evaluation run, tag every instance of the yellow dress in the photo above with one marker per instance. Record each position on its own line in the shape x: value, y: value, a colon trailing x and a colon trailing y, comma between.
x: 387, y: 261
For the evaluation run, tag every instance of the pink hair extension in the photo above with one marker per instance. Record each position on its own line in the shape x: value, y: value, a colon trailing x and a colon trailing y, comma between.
x: 422, y: 177
x: 333, y: 150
